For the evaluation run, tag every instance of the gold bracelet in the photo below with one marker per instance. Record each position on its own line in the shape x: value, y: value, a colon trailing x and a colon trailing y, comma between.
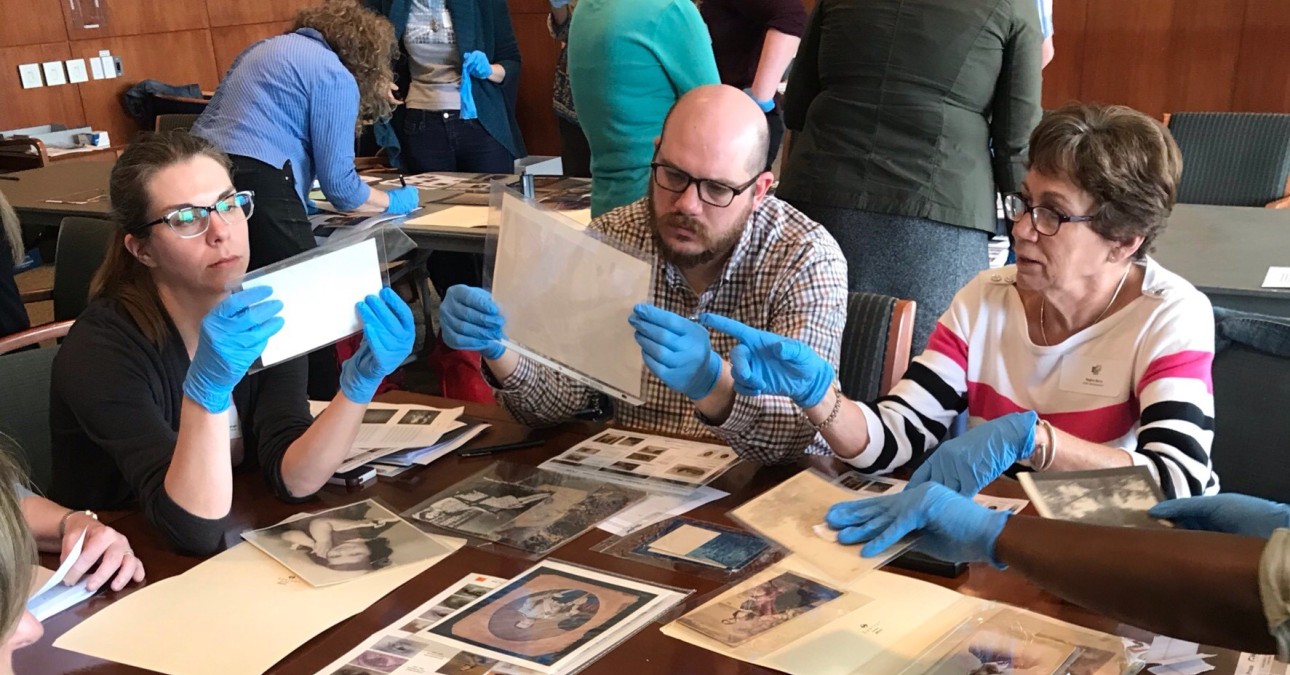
x: 837, y: 407
x: 62, y: 524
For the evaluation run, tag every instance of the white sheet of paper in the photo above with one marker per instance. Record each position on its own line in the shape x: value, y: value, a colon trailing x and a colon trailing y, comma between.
x: 1194, y: 667
x: 1278, y: 277
x: 657, y: 507
x: 467, y: 217
x: 96, y: 68
x: 683, y: 540
x: 319, y: 296
x: 54, y: 74
x: 109, y: 66
x: 192, y: 620
x: 1166, y: 649
x: 561, y: 290
x: 1260, y: 664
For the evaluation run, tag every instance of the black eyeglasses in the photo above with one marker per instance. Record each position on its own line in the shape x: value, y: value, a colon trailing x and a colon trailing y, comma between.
x: 193, y: 221
x: 1046, y: 220
x: 711, y: 192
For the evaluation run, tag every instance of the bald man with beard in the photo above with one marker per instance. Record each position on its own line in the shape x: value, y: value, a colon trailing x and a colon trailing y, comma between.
x: 724, y: 246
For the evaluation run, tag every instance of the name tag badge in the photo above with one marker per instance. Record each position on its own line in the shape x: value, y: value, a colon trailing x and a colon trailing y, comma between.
x: 1096, y: 376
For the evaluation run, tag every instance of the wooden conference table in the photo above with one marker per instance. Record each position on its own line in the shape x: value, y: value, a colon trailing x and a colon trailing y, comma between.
x: 43, y: 197
x: 647, y: 651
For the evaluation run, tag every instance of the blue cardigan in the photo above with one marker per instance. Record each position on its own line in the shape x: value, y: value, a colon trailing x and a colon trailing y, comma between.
x: 483, y: 25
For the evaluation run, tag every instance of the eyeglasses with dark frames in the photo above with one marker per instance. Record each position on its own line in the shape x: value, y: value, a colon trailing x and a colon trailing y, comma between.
x: 711, y: 192
x: 194, y: 221
x: 1047, y: 221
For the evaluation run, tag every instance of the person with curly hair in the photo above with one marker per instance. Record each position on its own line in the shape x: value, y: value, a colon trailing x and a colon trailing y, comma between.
x: 287, y: 112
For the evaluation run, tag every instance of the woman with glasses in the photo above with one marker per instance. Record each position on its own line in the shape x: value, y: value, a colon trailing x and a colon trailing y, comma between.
x: 1084, y: 355
x: 150, y: 397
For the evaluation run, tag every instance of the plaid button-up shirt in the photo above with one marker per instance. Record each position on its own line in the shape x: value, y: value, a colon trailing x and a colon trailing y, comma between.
x: 786, y: 275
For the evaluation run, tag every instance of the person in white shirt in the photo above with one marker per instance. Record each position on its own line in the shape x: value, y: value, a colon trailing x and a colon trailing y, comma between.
x: 1084, y: 355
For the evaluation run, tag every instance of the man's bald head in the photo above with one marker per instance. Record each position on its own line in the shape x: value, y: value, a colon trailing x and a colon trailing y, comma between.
x: 725, y: 122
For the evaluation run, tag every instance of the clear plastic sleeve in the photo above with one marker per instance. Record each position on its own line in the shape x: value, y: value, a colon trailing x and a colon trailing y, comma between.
x: 320, y: 288
x: 562, y: 288
x: 521, y: 510
x: 792, y: 514
x: 1006, y: 639
x: 556, y: 617
x: 769, y: 610
x: 695, y: 547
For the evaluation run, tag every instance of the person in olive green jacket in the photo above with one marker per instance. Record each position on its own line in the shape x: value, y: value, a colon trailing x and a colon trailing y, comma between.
x: 912, y: 115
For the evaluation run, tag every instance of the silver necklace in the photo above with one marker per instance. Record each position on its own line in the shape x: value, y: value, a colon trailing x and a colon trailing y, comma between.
x: 1044, y: 303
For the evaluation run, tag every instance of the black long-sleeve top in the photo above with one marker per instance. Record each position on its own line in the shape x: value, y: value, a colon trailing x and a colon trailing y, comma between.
x: 114, y: 420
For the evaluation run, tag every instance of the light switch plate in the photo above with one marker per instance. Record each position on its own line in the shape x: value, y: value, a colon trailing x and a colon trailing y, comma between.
x: 30, y: 74
x: 76, y: 72
x: 109, y: 66
x: 54, y: 74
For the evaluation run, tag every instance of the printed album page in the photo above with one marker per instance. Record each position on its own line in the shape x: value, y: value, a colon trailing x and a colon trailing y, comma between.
x: 890, y: 621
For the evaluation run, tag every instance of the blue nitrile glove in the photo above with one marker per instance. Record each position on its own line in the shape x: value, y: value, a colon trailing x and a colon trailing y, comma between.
x: 469, y: 320
x: 557, y: 4
x: 232, y: 337
x: 403, y: 200
x: 766, y: 106
x: 953, y: 527
x: 969, y: 462
x: 766, y: 363
x: 476, y: 64
x: 311, y: 207
x: 1231, y: 513
x: 388, y: 334
x: 676, y: 350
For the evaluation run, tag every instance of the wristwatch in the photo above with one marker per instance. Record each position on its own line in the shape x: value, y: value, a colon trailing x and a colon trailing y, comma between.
x: 62, y: 524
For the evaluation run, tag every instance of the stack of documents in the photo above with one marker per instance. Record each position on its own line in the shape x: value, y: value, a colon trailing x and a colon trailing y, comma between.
x: 404, y: 434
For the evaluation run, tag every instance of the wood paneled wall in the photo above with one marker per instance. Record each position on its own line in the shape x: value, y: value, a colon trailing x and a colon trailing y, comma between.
x: 179, y: 42
x: 1172, y: 55
x: 1155, y: 55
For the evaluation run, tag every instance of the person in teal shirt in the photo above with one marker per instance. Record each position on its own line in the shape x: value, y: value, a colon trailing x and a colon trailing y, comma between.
x: 629, y: 62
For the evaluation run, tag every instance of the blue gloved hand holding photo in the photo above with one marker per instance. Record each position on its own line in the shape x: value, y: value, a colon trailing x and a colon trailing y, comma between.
x: 470, y: 321
x: 952, y: 527
x: 676, y: 350
x: 388, y: 335
x: 765, y: 363
x: 970, y: 462
x: 1230, y: 513
x: 403, y: 200
x: 232, y: 337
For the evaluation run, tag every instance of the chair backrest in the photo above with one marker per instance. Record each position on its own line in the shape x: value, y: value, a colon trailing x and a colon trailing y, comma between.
x: 24, y: 408
x: 1251, y: 397
x: 174, y: 121
x: 20, y: 154
x: 82, y: 245
x: 875, y: 344
x: 1232, y: 159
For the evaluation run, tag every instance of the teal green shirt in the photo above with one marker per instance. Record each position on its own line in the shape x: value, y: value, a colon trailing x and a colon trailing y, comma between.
x: 629, y: 61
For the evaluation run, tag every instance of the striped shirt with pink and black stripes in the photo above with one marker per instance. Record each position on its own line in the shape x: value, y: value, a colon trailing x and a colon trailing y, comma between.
x: 1138, y: 380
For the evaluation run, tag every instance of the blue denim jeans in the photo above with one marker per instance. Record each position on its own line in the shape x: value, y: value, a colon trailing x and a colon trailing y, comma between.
x: 1268, y: 334
x: 439, y: 140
